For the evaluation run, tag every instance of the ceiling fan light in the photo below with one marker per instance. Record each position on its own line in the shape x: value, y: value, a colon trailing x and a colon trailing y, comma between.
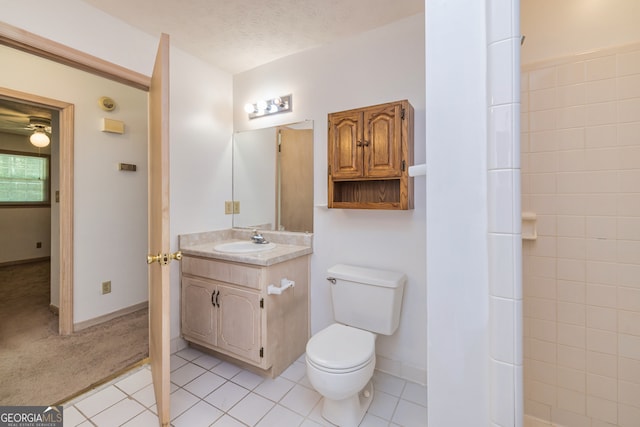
x: 39, y: 139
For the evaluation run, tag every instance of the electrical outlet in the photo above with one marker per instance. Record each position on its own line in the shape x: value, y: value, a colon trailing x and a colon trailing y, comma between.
x: 228, y: 207
x: 236, y: 207
x: 106, y: 287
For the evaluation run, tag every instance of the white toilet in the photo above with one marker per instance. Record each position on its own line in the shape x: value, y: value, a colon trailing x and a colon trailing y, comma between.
x: 341, y: 357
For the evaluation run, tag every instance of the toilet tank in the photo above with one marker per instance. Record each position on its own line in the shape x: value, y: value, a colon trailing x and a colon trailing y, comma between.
x: 367, y: 298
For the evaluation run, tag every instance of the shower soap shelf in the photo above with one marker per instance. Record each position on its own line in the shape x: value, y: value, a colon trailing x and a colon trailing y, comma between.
x: 529, y: 226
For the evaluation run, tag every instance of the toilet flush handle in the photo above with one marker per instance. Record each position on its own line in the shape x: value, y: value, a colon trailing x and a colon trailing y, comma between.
x: 332, y: 280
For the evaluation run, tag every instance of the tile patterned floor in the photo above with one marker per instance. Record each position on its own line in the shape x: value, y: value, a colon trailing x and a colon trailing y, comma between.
x: 208, y: 392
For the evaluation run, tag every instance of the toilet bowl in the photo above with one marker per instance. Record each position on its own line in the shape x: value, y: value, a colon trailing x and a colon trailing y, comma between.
x: 340, y: 363
x: 341, y: 358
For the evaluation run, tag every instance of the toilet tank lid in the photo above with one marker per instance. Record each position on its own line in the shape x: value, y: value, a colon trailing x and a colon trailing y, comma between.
x: 371, y: 276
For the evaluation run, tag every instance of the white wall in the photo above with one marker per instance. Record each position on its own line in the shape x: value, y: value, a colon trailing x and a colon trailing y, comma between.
x: 568, y: 27
x: 200, y: 151
x: 457, y: 276
x: 111, y: 206
x: 21, y: 228
x: 337, y: 77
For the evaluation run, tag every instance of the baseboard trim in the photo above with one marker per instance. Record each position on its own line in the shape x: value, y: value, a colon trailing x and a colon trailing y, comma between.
x: 24, y: 261
x: 110, y: 316
x: 401, y: 370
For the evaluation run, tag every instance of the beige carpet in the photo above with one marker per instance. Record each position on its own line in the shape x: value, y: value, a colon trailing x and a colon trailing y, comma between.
x: 39, y: 367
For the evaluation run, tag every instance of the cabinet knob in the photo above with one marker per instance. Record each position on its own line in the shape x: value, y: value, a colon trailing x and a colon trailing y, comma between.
x: 359, y: 143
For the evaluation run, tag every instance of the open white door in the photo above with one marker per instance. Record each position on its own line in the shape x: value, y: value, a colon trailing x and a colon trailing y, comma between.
x: 159, y: 256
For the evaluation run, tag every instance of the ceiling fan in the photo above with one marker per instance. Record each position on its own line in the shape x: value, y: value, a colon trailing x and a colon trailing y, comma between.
x: 41, y: 130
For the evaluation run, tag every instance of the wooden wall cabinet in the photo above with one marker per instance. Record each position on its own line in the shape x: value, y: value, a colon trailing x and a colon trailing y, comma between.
x: 369, y: 153
x: 226, y: 308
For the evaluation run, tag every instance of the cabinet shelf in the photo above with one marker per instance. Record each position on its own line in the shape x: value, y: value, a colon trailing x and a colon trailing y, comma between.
x: 369, y: 150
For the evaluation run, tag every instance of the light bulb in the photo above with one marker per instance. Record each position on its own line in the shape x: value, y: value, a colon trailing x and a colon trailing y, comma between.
x: 262, y: 105
x: 277, y: 101
x: 273, y: 108
x: 249, y: 108
x: 39, y: 139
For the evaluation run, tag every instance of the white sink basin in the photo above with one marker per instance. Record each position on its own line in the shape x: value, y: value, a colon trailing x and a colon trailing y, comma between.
x: 243, y: 247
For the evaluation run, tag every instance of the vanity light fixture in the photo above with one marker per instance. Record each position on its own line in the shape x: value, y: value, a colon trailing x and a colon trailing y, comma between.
x: 279, y: 104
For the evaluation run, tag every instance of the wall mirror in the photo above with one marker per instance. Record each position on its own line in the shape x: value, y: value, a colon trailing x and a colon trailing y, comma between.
x: 273, y: 177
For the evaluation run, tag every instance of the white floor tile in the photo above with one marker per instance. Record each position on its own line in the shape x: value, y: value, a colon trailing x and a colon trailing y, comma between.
x: 190, y: 353
x: 222, y: 398
x: 409, y: 414
x: 100, y: 401
x: 207, y: 361
x: 118, y: 414
x: 226, y: 370
x: 301, y: 400
x: 280, y: 416
x: 316, y: 415
x: 373, y: 421
x: 226, y: 396
x: 145, y: 396
x: 180, y: 401
x: 186, y: 373
x: 200, y: 415
x: 72, y: 417
x: 251, y: 409
x: 383, y: 405
x: 247, y: 379
x: 227, y: 421
x: 295, y: 372
x: 205, y: 384
x: 176, y: 361
x: 388, y: 383
x: 135, y: 382
x: 415, y: 393
x: 274, y: 389
x: 145, y: 419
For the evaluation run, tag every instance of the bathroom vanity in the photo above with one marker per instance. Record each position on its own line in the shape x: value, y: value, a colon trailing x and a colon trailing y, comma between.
x: 246, y: 302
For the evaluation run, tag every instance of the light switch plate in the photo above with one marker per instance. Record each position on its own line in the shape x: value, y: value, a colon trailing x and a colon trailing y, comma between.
x: 228, y: 207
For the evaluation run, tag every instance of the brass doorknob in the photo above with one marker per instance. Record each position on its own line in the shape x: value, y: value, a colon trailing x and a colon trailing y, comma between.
x: 164, y: 259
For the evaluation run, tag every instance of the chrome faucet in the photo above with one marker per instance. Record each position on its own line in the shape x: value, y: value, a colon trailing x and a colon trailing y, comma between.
x: 257, y: 238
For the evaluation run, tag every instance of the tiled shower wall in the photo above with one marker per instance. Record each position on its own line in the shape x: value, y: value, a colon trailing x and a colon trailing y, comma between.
x: 580, y: 160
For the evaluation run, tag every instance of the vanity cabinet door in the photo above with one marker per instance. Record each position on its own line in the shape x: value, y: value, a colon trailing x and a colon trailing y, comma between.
x: 198, y: 310
x: 240, y: 319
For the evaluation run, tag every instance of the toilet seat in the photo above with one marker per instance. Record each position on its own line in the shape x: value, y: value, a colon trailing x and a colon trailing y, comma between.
x: 341, y: 349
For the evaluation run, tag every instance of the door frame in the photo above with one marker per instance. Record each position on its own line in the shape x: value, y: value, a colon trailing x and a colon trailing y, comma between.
x: 20, y: 39
x: 66, y: 112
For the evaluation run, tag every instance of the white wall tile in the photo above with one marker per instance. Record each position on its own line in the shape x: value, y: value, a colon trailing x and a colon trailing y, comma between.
x: 503, y: 329
x: 628, y: 63
x: 601, y: 68
x: 502, y: 151
x: 571, y: 73
x: 502, y: 393
x: 502, y: 186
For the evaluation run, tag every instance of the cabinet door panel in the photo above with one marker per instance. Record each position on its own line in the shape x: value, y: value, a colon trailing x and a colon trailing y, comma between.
x: 382, y: 138
x: 239, y: 319
x: 198, y: 313
x: 345, y: 147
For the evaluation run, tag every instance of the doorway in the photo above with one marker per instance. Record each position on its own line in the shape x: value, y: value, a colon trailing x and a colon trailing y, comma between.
x: 63, y: 258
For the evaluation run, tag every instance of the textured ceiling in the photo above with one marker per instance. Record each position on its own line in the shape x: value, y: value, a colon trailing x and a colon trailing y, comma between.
x: 237, y: 35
